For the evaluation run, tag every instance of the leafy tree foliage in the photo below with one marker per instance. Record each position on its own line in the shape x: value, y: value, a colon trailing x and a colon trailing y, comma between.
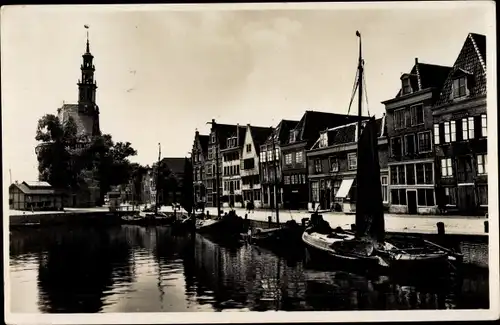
x: 138, y: 173
x: 65, y: 159
x: 187, y: 200
x: 166, y: 184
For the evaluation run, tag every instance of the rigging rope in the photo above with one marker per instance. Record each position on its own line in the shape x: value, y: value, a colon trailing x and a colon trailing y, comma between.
x: 354, y: 88
x: 366, y: 96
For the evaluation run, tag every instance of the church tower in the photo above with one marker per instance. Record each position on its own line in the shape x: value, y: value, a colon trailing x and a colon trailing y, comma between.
x: 87, y: 90
x: 86, y: 112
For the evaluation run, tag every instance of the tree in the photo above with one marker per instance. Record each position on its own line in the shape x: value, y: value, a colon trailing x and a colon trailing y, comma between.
x: 138, y: 172
x: 187, y: 200
x: 65, y: 158
x: 166, y: 183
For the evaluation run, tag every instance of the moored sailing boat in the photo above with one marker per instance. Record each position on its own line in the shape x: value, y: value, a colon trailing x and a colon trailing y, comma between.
x: 367, y: 246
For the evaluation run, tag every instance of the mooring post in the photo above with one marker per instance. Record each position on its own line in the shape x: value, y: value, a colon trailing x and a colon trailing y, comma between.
x: 440, y: 229
x: 246, y: 216
x: 304, y: 220
x: 486, y: 227
x: 269, y: 221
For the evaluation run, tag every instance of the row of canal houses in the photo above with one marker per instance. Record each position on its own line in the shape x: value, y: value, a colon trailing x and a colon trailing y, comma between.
x: 432, y: 149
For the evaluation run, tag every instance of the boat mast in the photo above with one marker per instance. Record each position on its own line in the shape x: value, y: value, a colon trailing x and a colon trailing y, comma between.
x: 276, y: 187
x: 360, y: 85
x: 157, y: 178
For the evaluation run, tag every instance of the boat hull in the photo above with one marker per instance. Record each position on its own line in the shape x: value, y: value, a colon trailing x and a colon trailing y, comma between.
x: 279, y: 237
x: 329, y: 258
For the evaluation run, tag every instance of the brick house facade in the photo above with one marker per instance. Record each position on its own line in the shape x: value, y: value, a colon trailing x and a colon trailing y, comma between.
x: 293, y: 151
x: 410, y: 130
x: 268, y: 159
x: 460, y: 132
x: 332, y: 166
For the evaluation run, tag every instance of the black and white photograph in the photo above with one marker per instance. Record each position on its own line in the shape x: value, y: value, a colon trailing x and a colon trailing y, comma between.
x: 290, y: 162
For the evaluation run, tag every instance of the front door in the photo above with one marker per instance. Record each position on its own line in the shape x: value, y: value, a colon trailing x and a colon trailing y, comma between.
x: 412, y: 202
x: 466, y: 199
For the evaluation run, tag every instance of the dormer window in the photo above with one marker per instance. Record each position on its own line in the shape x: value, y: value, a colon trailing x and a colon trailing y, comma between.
x: 406, y: 85
x: 323, y: 140
x: 460, y: 87
x: 212, y: 138
x: 293, y: 136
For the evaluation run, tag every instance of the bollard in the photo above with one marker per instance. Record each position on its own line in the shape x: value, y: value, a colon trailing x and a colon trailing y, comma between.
x: 486, y: 227
x: 353, y: 226
x: 269, y: 221
x: 440, y: 228
x: 246, y: 216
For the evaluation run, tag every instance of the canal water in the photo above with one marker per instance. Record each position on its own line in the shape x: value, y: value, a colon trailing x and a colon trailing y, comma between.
x: 137, y: 269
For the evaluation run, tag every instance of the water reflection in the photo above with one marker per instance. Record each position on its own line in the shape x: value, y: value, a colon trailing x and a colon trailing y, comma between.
x: 137, y: 269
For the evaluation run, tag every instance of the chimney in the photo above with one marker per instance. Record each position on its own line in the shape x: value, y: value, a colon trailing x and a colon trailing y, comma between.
x: 196, y: 132
x: 419, y: 82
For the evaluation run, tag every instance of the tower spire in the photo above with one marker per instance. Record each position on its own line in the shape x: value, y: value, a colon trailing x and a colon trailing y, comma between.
x: 88, y: 44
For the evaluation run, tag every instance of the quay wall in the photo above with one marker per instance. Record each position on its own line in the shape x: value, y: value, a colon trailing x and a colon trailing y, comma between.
x: 64, y: 218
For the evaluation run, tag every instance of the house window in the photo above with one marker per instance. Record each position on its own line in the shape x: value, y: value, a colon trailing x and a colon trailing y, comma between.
x: 398, y: 196
x: 249, y: 147
x: 293, y: 136
x: 287, y: 179
x: 262, y: 156
x: 212, y: 140
x: 417, y: 114
x: 482, y: 191
x: 315, y: 191
x: 396, y: 147
x: 334, y: 164
x: 303, y: 176
x: 385, y: 194
x: 323, y: 140
x: 410, y: 144
x: 410, y: 174
x: 425, y: 197
x: 352, y: 161
x: 317, y: 166
x: 210, y: 154
x: 428, y: 173
x: 399, y: 121
x: 436, y: 133
x: 401, y: 174
x: 482, y: 164
x: 288, y: 159
x: 459, y: 87
x: 468, y: 128
x: 424, y: 141
x: 394, y: 175
x: 276, y: 154
x: 270, y: 155
x: 446, y: 168
x: 406, y: 85
x: 298, y: 157
x: 484, y: 125
x: 450, y: 195
x: 248, y: 163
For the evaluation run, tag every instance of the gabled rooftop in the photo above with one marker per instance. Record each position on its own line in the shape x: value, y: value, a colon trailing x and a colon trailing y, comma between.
x: 346, y: 134
x: 471, y: 61
x: 313, y: 122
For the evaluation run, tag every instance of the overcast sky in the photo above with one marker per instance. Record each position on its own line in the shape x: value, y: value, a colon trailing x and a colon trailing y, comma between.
x: 162, y: 74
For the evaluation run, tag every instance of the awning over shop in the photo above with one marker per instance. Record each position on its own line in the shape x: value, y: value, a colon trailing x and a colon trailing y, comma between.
x: 345, y: 186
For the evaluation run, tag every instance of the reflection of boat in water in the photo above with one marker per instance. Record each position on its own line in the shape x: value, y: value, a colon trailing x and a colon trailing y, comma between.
x: 367, y: 246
